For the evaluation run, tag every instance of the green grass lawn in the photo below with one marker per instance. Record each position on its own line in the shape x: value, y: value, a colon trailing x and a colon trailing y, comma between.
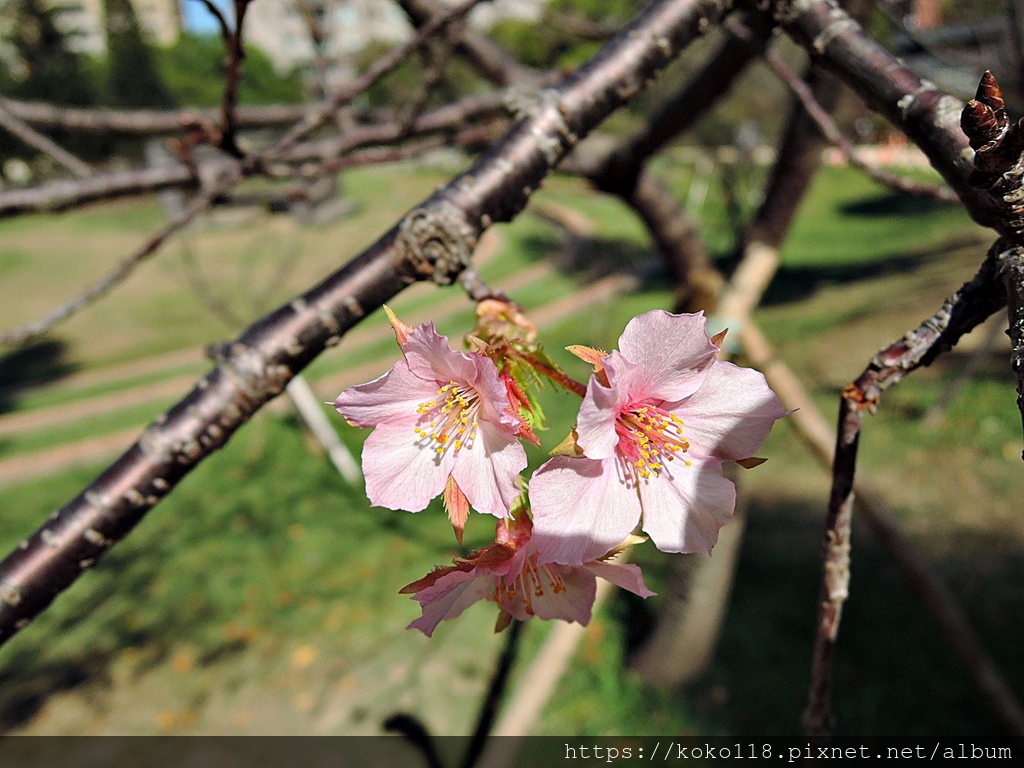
x: 265, y: 587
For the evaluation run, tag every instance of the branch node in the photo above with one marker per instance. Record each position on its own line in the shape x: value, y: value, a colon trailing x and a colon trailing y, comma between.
x: 438, y: 241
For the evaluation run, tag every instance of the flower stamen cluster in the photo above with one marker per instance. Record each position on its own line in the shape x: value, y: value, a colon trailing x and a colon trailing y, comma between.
x: 648, y: 436
x: 457, y: 414
x: 516, y: 597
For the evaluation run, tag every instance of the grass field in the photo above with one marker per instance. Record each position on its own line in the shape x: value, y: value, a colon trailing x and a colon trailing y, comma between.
x: 261, y: 595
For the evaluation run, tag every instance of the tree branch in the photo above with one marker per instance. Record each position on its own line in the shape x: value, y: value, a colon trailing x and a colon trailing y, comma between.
x: 142, y: 122
x: 620, y: 170
x: 433, y: 242
x: 67, y: 194
x: 810, y: 425
x: 960, y: 313
x: 71, y: 193
x: 928, y: 116
x: 823, y: 120
x: 19, y: 129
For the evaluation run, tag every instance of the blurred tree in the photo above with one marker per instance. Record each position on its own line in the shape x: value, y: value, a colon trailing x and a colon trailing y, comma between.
x: 405, y: 84
x: 193, y: 71
x: 45, y: 69
x: 132, y: 76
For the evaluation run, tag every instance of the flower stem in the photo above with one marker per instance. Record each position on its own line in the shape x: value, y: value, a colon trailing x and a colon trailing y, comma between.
x: 566, y: 382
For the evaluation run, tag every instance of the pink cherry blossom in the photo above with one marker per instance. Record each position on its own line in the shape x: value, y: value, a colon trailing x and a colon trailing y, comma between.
x: 654, y: 428
x: 440, y: 417
x: 517, y: 575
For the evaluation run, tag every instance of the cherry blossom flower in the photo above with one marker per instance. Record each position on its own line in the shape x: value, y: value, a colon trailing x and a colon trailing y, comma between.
x: 517, y: 575
x: 443, y: 424
x: 659, y: 417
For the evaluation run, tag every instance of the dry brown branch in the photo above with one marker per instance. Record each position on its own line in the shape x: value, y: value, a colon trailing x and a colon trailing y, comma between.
x: 118, y: 122
x: 823, y: 120
x: 70, y: 193
x: 960, y: 313
x: 21, y: 130
x: 812, y: 428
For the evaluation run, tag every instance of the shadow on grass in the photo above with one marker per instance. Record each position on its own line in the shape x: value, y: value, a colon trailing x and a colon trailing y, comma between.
x: 795, y: 283
x: 893, y: 204
x: 30, y: 366
x: 895, y: 675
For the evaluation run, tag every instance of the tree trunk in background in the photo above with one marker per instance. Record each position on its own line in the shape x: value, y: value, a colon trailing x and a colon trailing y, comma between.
x: 683, y: 642
x: 693, y: 608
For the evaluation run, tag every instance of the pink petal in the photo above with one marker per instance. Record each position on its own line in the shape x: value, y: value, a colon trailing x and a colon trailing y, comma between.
x: 486, y: 469
x: 670, y: 352
x: 730, y: 415
x: 628, y: 577
x: 430, y: 356
x: 595, y: 426
x: 573, y: 601
x: 684, y: 507
x: 582, y: 508
x: 402, y: 471
x: 395, y: 395
x: 449, y: 596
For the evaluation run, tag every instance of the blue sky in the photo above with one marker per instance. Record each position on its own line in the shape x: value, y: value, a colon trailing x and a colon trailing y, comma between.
x: 198, y: 19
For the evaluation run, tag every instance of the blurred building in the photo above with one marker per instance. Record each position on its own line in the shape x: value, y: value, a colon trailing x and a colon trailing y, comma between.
x: 290, y: 31
x: 83, y: 20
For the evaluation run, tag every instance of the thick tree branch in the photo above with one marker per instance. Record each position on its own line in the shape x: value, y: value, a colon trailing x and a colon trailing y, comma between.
x: 620, y: 169
x: 432, y: 242
x: 1012, y: 273
x: 617, y: 172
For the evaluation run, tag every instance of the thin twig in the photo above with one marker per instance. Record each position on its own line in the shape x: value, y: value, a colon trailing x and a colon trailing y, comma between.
x: 435, y: 62
x: 232, y: 78
x: 47, y: 146
x: 961, y: 312
x: 491, y: 60
x: 218, y: 15
x: 831, y: 131
x: 121, y: 272
x: 380, y: 67
x: 495, y: 693
x: 808, y: 423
